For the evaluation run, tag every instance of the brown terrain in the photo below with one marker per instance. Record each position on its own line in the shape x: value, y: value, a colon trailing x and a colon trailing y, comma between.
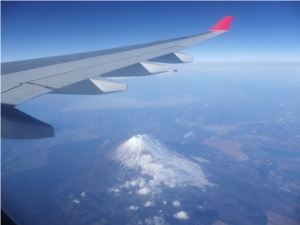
x: 230, y: 148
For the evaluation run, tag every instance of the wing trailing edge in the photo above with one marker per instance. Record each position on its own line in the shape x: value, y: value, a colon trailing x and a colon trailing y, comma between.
x: 174, y: 57
x: 99, y: 85
x: 94, y: 86
x: 139, y: 69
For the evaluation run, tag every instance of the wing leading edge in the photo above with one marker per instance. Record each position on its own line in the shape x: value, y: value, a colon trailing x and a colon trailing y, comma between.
x: 85, y: 73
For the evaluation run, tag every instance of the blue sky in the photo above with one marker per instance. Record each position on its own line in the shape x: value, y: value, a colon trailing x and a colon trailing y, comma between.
x: 259, y: 31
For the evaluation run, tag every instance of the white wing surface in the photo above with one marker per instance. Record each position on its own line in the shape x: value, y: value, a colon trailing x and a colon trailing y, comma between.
x: 84, y: 74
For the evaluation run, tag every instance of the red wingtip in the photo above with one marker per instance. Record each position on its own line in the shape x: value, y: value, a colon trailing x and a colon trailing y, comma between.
x: 224, y: 24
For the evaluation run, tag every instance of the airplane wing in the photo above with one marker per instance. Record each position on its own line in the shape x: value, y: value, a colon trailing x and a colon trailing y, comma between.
x: 84, y: 74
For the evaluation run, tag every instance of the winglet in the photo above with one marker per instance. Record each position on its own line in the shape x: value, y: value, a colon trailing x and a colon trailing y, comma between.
x: 224, y: 24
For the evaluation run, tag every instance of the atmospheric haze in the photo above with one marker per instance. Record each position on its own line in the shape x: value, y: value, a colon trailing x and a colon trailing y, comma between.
x: 149, y: 157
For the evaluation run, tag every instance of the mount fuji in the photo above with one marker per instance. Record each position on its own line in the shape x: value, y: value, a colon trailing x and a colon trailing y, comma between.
x: 154, y: 165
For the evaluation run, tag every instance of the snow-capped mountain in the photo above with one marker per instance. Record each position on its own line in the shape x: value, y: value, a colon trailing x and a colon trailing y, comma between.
x: 157, y: 165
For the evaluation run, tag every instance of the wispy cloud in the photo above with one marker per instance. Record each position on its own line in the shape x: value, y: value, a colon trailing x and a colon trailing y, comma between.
x: 199, y: 159
x: 189, y: 135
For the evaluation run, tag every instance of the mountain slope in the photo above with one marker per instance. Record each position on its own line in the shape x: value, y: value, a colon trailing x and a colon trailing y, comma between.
x: 149, y: 157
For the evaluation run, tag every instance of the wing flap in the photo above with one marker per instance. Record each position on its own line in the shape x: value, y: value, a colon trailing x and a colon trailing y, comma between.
x: 139, y: 69
x: 94, y: 86
x: 174, y: 57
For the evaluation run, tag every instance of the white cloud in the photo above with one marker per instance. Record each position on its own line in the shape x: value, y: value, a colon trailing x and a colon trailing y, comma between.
x: 116, y: 190
x: 149, y: 204
x: 181, y: 215
x: 133, y: 183
x: 156, y: 220
x: 156, y: 191
x: 164, y: 202
x: 132, y: 207
x: 126, y: 185
x: 142, y: 182
x: 83, y: 194
x: 143, y: 191
x: 176, y: 203
x: 76, y: 201
x: 199, y: 159
x: 189, y: 135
